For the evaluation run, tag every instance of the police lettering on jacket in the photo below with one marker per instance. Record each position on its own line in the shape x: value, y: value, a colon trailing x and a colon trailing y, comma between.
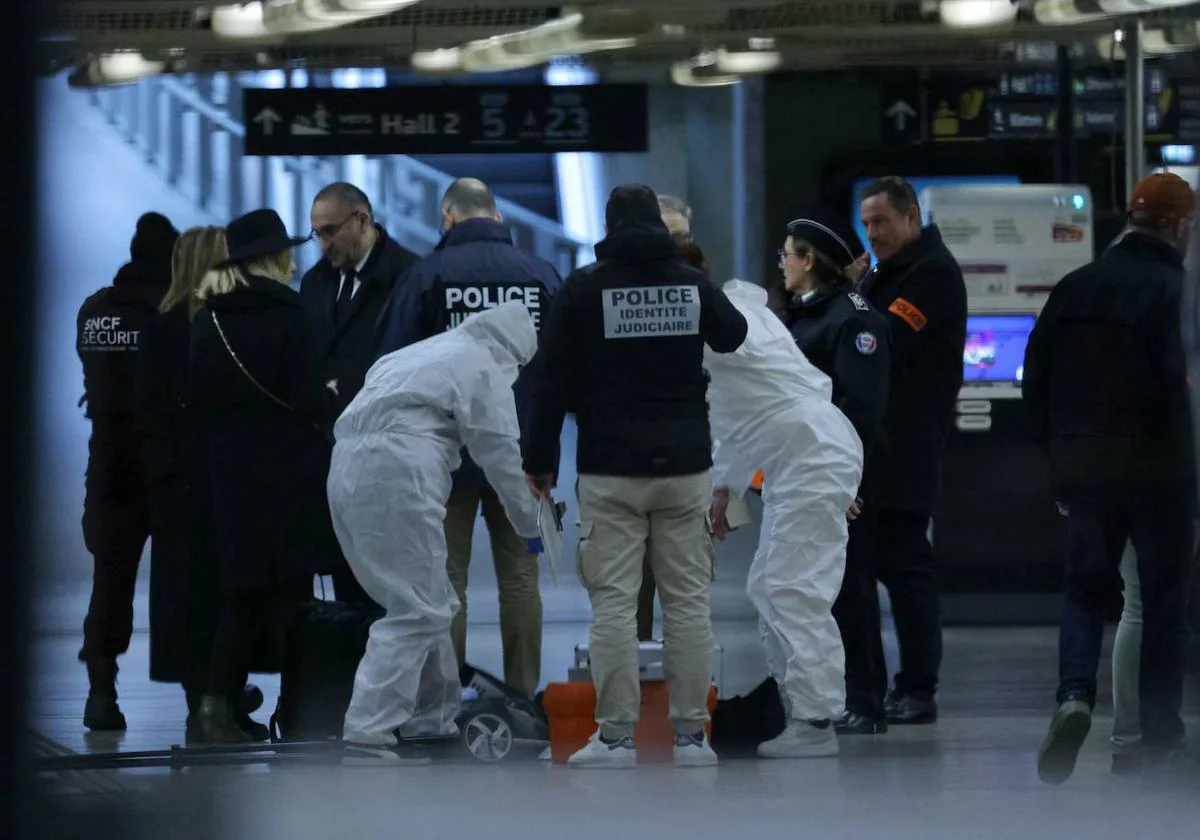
x: 463, y: 301
x: 651, y: 311
x: 108, y: 334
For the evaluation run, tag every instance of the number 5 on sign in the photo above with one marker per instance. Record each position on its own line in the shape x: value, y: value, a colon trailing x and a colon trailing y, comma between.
x: 493, y: 123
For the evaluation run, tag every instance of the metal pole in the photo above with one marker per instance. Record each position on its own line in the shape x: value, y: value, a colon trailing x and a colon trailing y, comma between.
x: 1135, y: 105
x: 1064, y: 136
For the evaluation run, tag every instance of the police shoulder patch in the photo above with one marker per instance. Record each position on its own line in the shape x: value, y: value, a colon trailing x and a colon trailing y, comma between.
x: 866, y: 343
x: 857, y: 300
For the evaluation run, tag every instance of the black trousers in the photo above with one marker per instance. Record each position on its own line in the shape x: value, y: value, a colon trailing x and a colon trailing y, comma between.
x: 248, y: 619
x: 1162, y: 530
x: 857, y: 613
x: 905, y: 564
x: 116, y: 527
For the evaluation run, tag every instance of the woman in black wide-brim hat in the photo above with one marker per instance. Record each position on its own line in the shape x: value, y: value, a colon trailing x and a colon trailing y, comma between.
x: 263, y: 413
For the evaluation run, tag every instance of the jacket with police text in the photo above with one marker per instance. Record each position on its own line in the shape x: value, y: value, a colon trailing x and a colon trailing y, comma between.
x: 475, y: 267
x: 624, y: 348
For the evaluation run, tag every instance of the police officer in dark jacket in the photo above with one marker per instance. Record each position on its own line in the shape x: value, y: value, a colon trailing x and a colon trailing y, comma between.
x: 476, y: 267
x: 624, y: 347
x: 918, y: 285
x: 343, y: 295
x: 116, y: 508
x: 1106, y: 384
x: 844, y: 336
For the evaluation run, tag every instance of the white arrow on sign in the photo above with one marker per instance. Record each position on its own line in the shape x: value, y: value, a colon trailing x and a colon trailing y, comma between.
x: 267, y: 118
x: 899, y: 113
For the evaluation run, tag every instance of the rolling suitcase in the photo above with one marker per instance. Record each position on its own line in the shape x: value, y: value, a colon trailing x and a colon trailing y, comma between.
x: 324, y: 643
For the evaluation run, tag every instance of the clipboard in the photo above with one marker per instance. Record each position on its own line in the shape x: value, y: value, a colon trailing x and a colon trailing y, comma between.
x: 550, y: 528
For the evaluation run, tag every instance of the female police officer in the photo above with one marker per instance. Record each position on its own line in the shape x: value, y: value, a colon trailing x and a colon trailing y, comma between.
x: 843, y: 335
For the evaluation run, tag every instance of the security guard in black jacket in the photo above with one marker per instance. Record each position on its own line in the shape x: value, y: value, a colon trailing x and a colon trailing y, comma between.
x: 1106, y: 384
x: 919, y: 287
x: 624, y: 346
x: 848, y: 340
x: 116, y: 508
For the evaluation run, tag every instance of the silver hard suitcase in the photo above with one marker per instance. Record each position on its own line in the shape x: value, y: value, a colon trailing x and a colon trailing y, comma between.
x: 650, y: 664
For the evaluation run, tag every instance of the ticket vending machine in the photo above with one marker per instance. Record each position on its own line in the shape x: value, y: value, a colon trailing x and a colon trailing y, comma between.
x: 998, y: 537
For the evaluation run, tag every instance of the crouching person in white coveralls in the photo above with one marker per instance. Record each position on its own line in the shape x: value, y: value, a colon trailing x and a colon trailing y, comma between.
x: 397, y: 444
x: 770, y: 409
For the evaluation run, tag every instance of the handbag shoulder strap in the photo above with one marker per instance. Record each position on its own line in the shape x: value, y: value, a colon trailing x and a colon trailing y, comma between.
x: 242, y: 367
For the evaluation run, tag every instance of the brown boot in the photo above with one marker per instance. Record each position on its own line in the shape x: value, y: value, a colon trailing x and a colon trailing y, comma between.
x: 218, y: 724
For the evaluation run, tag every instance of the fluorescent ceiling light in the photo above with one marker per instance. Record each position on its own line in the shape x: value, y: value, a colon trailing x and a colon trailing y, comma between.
x: 266, y: 19
x: 565, y: 35
x: 977, y: 13
x: 748, y: 62
x: 437, y: 61
x: 121, y: 68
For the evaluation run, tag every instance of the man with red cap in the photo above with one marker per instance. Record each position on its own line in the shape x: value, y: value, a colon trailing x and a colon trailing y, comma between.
x: 1106, y: 385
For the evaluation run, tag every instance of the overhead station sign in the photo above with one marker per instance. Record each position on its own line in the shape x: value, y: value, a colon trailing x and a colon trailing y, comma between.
x: 446, y: 119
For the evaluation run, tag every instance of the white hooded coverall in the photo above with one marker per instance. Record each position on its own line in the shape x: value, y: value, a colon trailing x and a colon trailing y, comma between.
x: 397, y: 444
x: 770, y: 409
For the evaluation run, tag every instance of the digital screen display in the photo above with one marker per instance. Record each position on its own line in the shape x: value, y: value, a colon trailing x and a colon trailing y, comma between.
x: 995, y: 348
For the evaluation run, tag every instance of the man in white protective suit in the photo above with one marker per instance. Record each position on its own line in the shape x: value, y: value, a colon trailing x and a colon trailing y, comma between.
x: 771, y: 409
x: 397, y: 444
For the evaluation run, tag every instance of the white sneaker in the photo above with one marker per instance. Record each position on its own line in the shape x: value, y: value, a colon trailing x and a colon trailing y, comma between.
x: 802, y: 740
x: 376, y: 755
x: 597, y: 754
x: 694, y: 751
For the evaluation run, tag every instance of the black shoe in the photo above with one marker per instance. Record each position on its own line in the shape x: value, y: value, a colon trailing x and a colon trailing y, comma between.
x: 909, y: 710
x: 1127, y: 764
x: 852, y: 723
x: 102, y: 714
x: 1068, y: 730
x: 253, y: 728
x: 251, y: 699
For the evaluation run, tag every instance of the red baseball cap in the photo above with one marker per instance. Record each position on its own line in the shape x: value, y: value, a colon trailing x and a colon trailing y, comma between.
x: 1163, y: 195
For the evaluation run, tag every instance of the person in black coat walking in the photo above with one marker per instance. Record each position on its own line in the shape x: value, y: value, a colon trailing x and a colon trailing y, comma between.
x: 343, y: 295
x: 264, y: 414
x: 919, y: 287
x: 116, y: 506
x: 849, y: 341
x: 184, y: 591
x: 1106, y: 384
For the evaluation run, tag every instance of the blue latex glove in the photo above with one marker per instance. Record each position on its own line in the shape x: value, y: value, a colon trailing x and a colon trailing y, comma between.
x: 535, y: 545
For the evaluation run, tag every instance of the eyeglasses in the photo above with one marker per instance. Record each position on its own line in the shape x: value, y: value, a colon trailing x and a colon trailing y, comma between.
x: 785, y: 253
x: 683, y: 239
x: 330, y: 231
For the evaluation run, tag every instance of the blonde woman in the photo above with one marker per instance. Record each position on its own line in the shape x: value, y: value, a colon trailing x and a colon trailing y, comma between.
x: 263, y: 414
x: 184, y: 597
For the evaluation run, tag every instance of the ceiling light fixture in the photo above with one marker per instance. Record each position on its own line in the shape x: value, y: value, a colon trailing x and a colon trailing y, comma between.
x: 701, y: 71
x: 574, y: 33
x: 437, y: 61
x: 1067, y: 12
x: 120, y: 68
x: 968, y: 14
x: 746, y: 63
x: 266, y: 19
